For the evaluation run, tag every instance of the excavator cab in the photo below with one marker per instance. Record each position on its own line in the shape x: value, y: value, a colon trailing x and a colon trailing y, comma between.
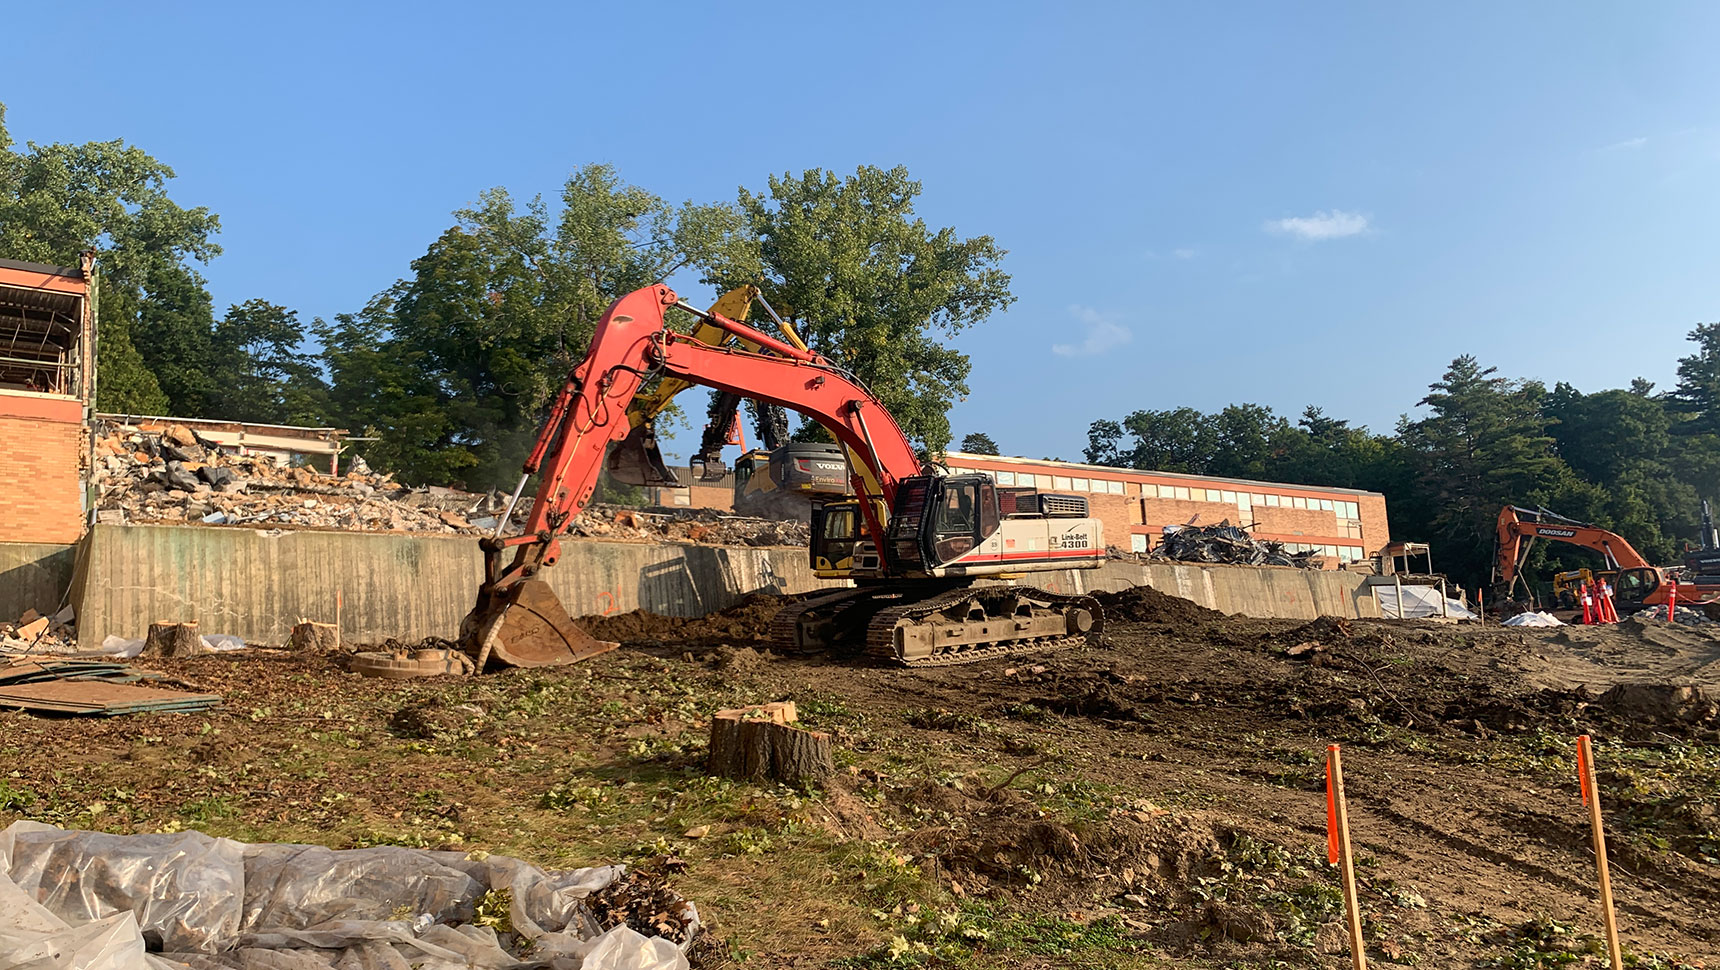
x: 1633, y: 588
x: 938, y: 519
x: 836, y: 532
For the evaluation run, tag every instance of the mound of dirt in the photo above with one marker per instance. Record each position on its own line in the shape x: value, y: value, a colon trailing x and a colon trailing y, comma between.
x: 1144, y: 604
x: 747, y: 620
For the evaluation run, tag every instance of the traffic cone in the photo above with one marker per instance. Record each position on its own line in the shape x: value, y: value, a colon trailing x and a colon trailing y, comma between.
x: 1588, y: 615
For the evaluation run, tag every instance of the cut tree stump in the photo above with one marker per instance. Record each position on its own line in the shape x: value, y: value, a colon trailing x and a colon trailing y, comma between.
x: 169, y: 639
x: 312, y: 637
x: 762, y: 742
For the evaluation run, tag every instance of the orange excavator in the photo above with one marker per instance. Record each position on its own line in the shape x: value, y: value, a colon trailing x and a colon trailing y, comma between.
x: 1636, y: 584
x: 919, y: 543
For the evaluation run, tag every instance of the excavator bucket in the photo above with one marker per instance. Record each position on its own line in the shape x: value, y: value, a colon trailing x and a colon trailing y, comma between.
x: 526, y: 626
x: 636, y: 460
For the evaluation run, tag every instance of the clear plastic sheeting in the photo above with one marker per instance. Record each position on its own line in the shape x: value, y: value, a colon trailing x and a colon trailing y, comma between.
x: 74, y: 899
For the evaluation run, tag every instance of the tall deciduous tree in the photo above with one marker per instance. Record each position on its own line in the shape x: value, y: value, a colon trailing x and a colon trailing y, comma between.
x: 495, y: 314
x: 59, y: 200
x: 872, y: 287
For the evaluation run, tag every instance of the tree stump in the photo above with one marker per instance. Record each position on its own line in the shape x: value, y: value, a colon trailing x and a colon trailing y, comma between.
x: 312, y: 637
x: 762, y: 743
x: 169, y: 639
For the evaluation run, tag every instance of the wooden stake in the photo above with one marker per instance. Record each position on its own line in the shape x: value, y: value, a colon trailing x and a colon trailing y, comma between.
x: 1592, y: 795
x: 1338, y: 822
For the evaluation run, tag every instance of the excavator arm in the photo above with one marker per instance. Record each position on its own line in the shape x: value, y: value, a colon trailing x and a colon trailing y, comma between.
x: 636, y: 459
x: 516, y: 616
x: 1518, y: 528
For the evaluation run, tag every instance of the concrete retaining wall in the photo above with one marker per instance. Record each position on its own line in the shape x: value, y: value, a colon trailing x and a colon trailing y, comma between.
x: 258, y: 584
x: 1263, y: 591
x: 33, y: 576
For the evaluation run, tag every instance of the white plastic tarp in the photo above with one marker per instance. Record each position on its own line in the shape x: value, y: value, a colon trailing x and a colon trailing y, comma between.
x: 73, y: 900
x: 1534, y: 619
x: 114, y: 645
x: 1418, y: 602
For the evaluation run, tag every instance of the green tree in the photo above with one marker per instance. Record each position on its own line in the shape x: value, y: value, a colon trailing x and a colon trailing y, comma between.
x: 1484, y: 445
x: 979, y: 443
x: 59, y: 200
x: 871, y: 286
x: 496, y: 313
x: 1697, y: 396
x: 267, y: 375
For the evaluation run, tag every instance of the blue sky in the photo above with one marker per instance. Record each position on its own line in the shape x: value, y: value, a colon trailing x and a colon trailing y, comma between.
x: 1203, y: 203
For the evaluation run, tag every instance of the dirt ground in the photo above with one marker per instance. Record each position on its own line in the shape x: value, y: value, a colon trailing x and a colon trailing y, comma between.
x: 1156, y: 800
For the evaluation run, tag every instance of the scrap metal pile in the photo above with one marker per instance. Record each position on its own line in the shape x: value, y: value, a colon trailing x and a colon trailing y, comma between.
x: 168, y: 474
x: 1225, y: 543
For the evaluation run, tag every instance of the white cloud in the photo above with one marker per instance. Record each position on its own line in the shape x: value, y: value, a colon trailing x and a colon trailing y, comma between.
x: 1626, y: 145
x: 1103, y: 333
x: 1322, y: 225
x: 1186, y: 252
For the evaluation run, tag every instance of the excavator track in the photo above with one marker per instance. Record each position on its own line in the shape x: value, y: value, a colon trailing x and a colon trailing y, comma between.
x: 885, y: 640
x: 896, y: 625
x: 785, y: 629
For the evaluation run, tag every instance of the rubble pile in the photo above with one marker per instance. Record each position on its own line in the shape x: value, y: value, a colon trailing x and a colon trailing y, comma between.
x: 34, y: 633
x: 1686, y: 615
x: 1225, y: 543
x: 168, y: 474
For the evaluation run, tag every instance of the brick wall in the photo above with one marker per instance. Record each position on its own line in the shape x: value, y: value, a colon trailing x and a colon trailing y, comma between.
x: 40, y: 490
x: 1374, y: 527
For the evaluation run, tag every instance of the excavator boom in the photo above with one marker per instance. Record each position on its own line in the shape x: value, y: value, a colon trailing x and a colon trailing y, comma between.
x: 931, y: 536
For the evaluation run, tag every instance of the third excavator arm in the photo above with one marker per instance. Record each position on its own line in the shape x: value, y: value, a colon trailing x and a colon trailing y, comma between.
x: 931, y: 535
x: 1637, y: 583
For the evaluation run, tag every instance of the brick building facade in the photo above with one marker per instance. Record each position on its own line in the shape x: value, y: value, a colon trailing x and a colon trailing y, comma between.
x: 1136, y: 507
x: 47, y: 384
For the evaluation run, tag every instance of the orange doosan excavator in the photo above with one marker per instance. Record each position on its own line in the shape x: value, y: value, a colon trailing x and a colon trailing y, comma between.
x: 918, y: 544
x: 1636, y: 583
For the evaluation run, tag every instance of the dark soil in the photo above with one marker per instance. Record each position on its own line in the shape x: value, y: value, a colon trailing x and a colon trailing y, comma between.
x: 1144, y: 604
x: 1156, y: 800
x: 745, y: 622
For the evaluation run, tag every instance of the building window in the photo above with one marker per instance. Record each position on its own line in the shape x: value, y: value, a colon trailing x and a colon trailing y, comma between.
x: 1006, y: 478
x: 1078, y: 484
x: 1137, y: 542
x: 1271, y: 501
x: 1180, y: 491
x: 1229, y: 498
x: 1259, y: 499
x: 1060, y: 482
x: 1325, y: 505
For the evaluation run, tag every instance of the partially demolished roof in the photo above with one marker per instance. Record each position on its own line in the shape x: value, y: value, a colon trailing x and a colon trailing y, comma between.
x: 45, y: 327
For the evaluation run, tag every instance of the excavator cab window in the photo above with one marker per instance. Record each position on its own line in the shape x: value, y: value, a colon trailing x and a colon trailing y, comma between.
x: 836, y: 530
x: 965, y: 516
x: 1635, y: 585
x: 956, y: 524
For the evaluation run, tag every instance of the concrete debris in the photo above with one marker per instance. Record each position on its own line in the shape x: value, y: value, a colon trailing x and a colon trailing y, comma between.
x: 1225, y: 543
x: 166, y: 474
x: 37, y: 634
x: 1687, y: 615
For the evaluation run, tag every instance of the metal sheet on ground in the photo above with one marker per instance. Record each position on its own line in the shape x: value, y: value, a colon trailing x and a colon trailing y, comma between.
x: 95, y: 697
